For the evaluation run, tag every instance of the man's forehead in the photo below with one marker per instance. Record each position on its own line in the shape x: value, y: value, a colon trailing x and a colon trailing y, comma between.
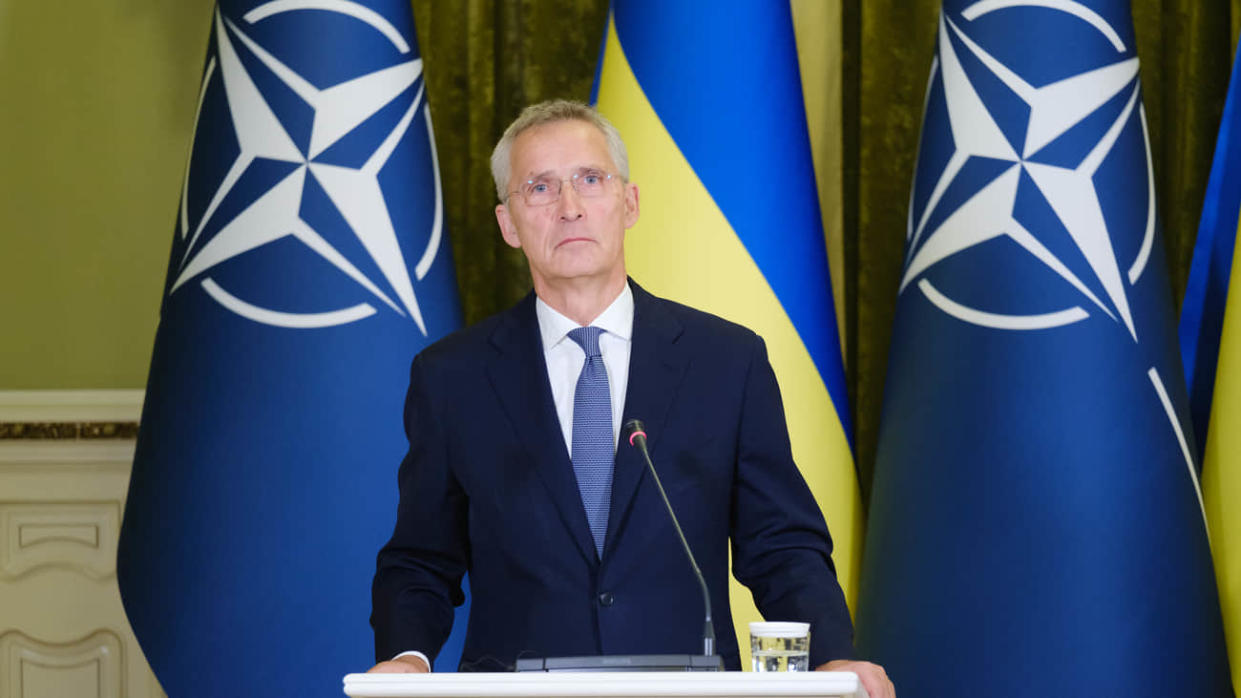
x: 558, y: 146
x: 562, y: 126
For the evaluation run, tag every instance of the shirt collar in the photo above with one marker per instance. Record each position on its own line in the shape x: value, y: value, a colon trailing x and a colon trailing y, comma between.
x: 616, y: 319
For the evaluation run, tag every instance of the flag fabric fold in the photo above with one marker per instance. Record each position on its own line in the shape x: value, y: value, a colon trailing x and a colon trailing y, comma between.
x: 710, y: 105
x: 309, y: 264
x: 1036, y: 525
x: 1211, y: 351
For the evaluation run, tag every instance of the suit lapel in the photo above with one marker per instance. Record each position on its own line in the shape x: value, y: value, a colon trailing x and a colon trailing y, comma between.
x: 656, y: 368
x: 518, y: 373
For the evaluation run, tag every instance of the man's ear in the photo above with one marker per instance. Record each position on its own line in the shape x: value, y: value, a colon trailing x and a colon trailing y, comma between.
x: 631, y: 204
x: 508, y: 231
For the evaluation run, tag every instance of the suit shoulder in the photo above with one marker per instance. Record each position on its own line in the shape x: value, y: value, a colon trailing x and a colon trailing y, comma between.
x: 703, y: 326
x: 462, y: 346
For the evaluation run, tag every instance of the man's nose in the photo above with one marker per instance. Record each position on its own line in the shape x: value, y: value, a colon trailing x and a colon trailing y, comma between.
x: 570, y: 202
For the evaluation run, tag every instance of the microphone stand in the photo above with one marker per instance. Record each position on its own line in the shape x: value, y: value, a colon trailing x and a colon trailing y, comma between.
x: 637, y: 438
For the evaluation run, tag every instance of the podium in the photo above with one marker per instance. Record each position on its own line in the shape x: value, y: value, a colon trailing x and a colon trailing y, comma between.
x: 628, y: 684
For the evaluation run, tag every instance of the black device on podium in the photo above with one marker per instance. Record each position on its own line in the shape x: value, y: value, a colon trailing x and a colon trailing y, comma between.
x: 625, y: 662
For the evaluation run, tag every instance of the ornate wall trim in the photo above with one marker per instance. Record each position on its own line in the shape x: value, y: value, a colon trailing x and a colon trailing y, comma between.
x: 79, y: 536
x: 69, y: 415
x: 91, y: 666
x: 65, y: 458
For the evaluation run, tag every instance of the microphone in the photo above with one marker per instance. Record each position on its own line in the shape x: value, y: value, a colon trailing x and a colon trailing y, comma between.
x: 635, y: 434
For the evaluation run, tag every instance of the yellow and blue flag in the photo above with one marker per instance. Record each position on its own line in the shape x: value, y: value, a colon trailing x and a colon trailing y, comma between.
x: 309, y: 264
x: 1036, y: 526
x: 1210, y: 334
x: 710, y: 104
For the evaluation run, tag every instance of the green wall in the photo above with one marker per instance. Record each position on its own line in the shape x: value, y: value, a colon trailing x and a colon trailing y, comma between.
x: 97, y: 103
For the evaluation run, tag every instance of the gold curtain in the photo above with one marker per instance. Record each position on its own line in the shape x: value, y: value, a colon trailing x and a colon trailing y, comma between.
x: 486, y: 59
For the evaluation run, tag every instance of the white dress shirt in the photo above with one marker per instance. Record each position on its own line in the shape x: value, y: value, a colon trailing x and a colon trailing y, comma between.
x: 566, y: 357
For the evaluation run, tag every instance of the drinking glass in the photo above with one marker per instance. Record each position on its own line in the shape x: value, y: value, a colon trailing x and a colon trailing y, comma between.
x: 780, y: 646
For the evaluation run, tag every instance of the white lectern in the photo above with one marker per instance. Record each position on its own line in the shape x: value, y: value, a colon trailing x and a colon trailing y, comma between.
x: 627, y: 684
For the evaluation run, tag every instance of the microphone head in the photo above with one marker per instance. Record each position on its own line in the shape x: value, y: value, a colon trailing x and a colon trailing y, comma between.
x: 632, y: 429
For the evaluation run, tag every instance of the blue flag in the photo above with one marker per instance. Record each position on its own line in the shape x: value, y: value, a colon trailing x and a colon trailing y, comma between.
x: 309, y: 264
x: 1036, y: 526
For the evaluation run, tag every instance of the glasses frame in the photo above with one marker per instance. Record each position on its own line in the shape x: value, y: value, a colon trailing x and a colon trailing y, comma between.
x: 573, y: 180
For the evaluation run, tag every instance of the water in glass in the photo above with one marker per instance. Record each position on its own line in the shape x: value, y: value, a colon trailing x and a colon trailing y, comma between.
x: 780, y: 653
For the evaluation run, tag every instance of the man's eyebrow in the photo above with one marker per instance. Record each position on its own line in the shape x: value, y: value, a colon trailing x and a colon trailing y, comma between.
x: 577, y: 170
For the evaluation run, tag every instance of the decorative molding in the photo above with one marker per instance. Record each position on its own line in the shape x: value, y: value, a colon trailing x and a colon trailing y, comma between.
x: 65, y: 458
x: 68, y: 430
x: 78, y: 536
x: 92, y: 666
x: 70, y: 405
x: 69, y: 415
x: 77, y: 456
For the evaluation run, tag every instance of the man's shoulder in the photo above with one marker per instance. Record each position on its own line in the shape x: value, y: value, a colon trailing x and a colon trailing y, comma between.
x: 469, y: 344
x: 701, y: 326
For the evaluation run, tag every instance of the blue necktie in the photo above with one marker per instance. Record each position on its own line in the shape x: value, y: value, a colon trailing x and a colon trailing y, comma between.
x: 593, y: 450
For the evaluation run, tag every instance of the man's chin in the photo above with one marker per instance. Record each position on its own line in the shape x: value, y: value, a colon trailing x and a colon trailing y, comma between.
x: 578, y: 261
x: 583, y: 270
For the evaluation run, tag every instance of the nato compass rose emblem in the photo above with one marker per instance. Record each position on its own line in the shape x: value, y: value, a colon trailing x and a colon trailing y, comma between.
x: 1033, y: 206
x: 303, y: 105
x: 1025, y: 164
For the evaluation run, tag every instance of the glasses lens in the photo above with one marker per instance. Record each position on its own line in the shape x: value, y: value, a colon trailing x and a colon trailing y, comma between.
x: 546, y: 190
x: 541, y: 191
x: 590, y: 182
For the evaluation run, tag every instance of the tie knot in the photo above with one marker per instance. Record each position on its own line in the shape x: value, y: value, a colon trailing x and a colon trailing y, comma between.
x: 588, y: 339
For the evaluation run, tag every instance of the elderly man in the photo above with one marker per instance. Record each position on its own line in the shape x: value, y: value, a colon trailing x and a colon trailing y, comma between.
x: 514, y: 474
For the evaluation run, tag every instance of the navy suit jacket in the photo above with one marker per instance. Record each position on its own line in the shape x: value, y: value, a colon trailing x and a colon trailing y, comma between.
x: 487, y: 487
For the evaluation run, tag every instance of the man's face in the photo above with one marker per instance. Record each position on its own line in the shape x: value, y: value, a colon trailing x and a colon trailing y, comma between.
x: 575, y: 237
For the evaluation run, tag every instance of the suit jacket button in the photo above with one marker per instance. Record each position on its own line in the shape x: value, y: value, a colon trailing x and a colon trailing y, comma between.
x: 606, y: 599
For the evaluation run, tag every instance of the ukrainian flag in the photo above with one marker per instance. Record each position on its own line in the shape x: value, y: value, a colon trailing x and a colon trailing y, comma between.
x: 1210, y: 336
x: 710, y: 104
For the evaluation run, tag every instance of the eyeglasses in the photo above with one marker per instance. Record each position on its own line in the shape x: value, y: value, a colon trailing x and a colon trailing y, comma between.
x: 542, y: 191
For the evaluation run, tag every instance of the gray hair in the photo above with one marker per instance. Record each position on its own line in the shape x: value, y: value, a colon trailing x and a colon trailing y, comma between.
x: 550, y: 112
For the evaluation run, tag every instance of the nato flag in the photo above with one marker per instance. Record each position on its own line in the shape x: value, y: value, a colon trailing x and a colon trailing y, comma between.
x: 1036, y: 526
x: 309, y: 264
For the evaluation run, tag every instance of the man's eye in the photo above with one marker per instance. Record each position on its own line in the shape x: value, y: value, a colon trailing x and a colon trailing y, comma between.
x: 591, y: 178
x: 539, y: 187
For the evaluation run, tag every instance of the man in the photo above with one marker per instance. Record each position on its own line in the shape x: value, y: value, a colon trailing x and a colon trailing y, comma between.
x: 514, y: 474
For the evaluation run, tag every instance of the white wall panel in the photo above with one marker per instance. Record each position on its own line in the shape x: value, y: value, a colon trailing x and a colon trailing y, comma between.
x: 65, y: 459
